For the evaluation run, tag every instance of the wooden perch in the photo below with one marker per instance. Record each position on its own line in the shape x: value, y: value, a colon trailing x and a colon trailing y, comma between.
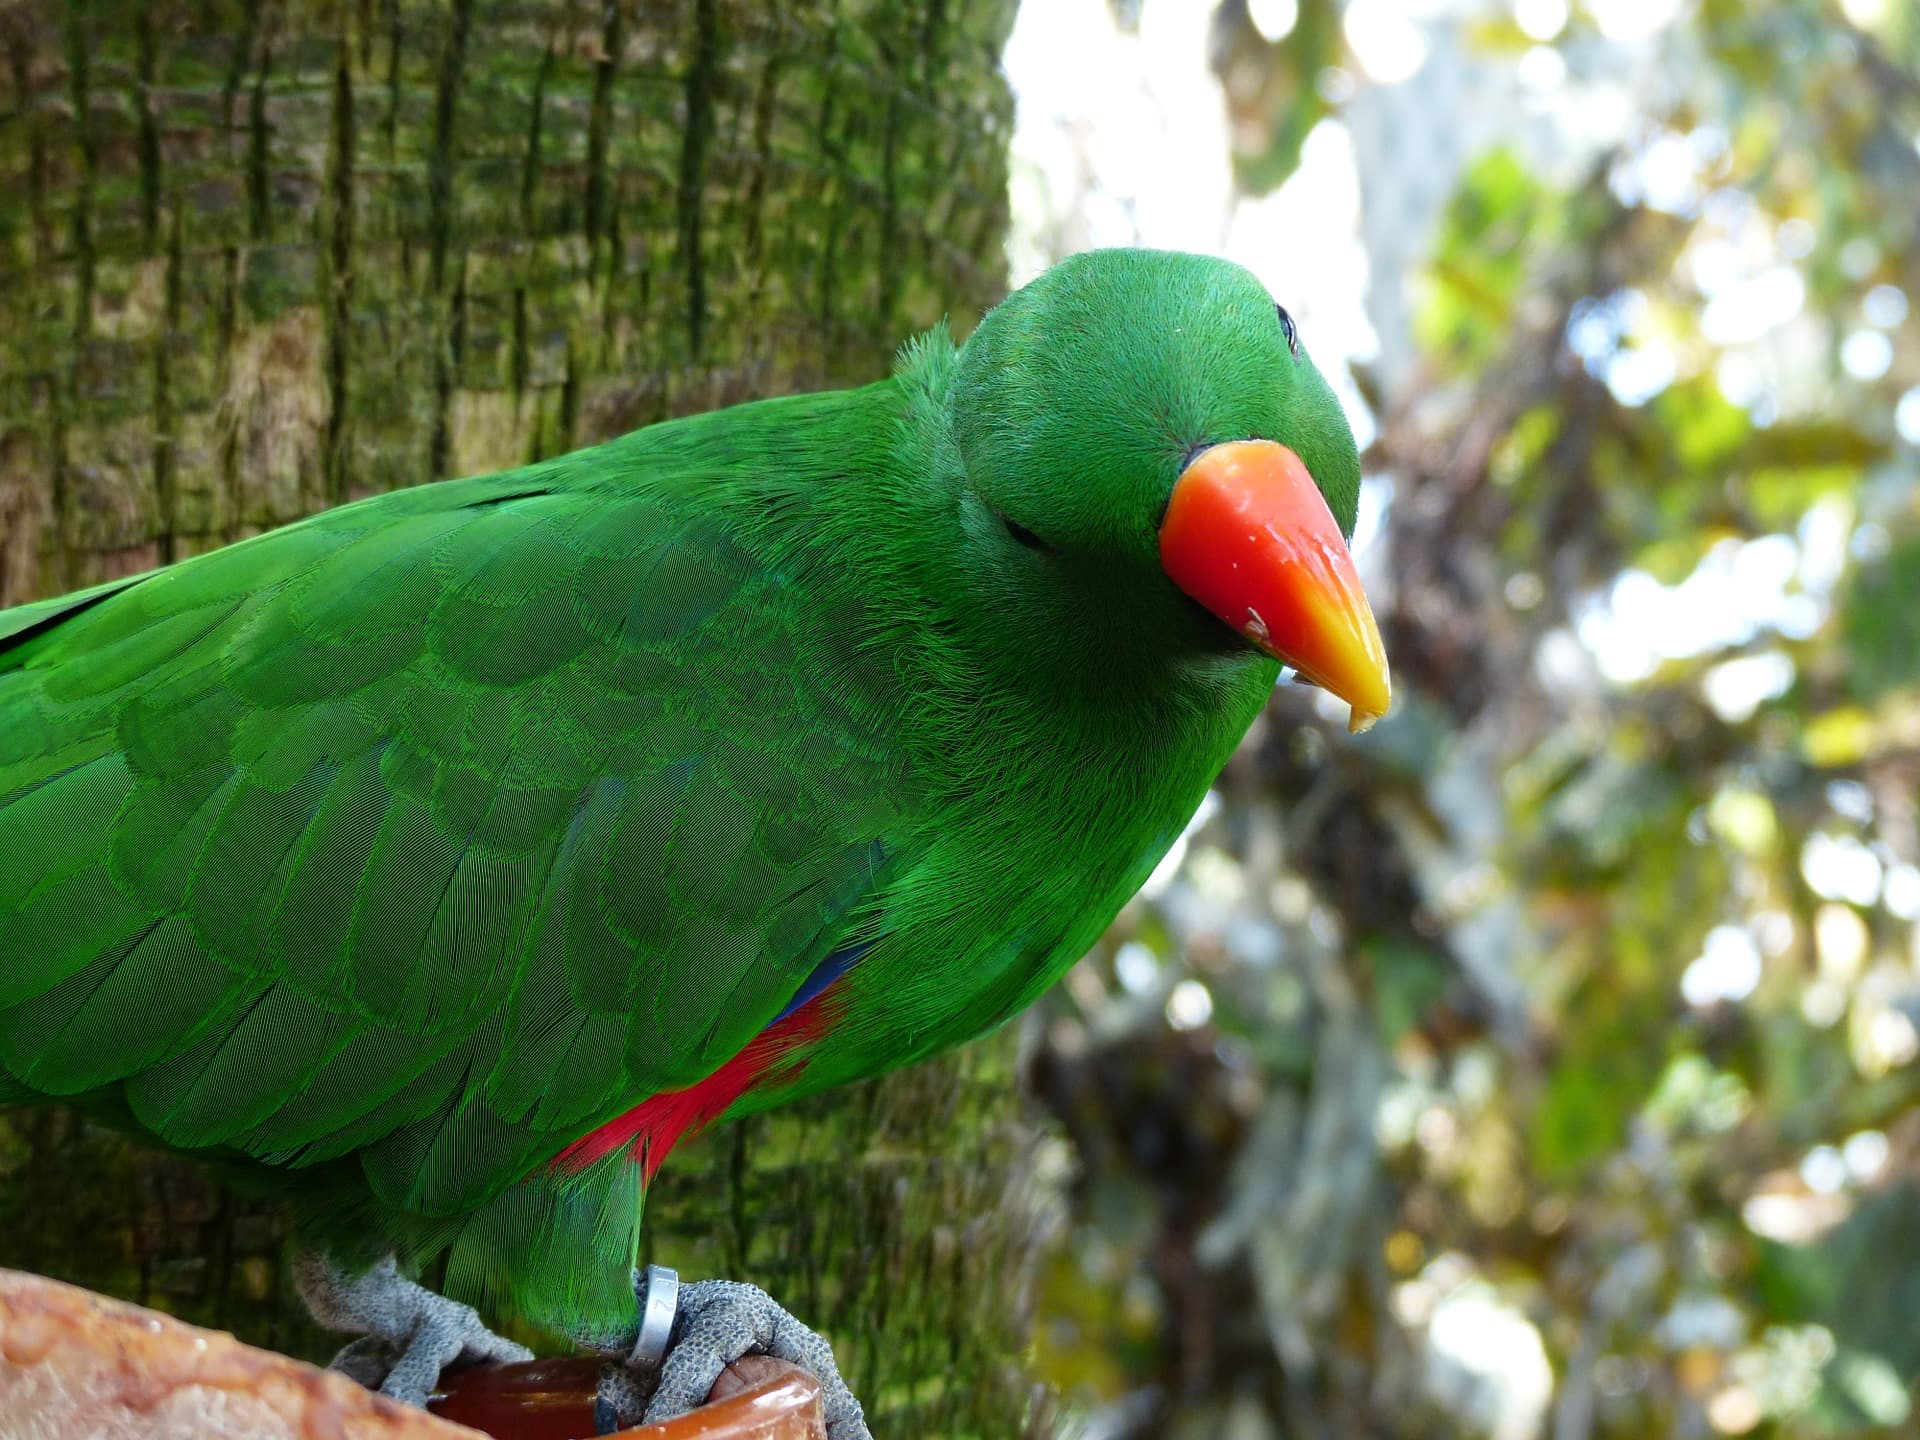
x: 78, y: 1366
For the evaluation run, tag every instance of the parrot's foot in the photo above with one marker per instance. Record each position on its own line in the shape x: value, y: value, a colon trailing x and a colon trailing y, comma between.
x: 718, y: 1322
x: 408, y: 1333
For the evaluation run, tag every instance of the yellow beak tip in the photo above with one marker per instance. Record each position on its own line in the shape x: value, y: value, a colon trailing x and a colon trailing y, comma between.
x: 1360, y: 721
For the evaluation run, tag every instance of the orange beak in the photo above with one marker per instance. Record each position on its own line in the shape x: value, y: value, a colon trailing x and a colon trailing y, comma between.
x: 1249, y: 536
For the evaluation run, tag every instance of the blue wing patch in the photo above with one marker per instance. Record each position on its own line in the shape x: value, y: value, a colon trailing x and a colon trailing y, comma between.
x: 824, y: 974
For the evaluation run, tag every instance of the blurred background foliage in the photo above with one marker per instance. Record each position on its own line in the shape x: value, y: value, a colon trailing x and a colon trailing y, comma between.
x: 1542, y: 1063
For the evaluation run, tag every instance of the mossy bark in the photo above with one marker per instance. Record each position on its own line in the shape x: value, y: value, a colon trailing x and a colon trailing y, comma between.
x: 261, y: 256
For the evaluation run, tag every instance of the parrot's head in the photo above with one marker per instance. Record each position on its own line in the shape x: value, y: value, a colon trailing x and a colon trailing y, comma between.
x: 1153, y: 464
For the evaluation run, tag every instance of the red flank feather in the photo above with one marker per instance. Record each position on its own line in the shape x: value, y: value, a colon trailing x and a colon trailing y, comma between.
x: 658, y: 1123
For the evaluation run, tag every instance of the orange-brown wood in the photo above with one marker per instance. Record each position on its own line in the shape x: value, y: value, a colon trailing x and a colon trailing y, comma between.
x: 78, y: 1366
x: 755, y: 1399
x: 782, y: 1403
x: 538, y: 1400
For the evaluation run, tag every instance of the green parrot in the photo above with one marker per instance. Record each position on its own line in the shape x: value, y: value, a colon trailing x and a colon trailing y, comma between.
x: 447, y: 856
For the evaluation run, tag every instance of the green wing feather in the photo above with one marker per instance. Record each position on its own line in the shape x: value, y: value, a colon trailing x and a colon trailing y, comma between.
x: 430, y: 831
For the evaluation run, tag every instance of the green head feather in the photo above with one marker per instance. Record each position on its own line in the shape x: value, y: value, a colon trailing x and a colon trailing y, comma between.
x: 1077, y: 402
x: 1072, y: 411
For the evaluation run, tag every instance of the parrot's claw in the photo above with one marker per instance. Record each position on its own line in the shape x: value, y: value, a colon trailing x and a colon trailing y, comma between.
x: 408, y: 1333
x: 718, y: 1322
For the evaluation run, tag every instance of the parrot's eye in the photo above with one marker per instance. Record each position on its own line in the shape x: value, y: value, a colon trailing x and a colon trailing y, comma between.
x: 1287, y: 329
x: 1025, y: 536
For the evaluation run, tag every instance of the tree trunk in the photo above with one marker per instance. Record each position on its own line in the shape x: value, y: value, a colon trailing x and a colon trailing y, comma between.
x: 258, y: 257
